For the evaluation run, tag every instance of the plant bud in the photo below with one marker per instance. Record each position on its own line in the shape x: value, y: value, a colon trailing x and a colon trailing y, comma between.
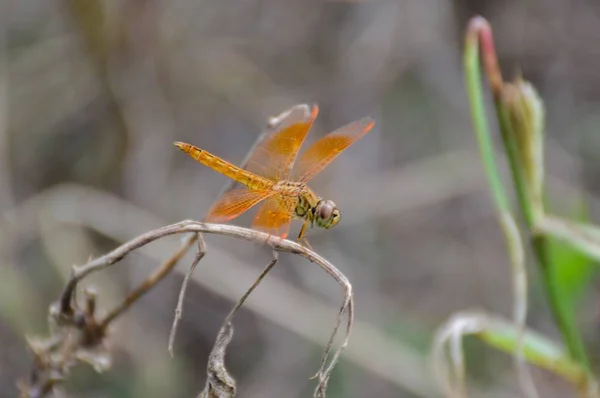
x: 525, y: 113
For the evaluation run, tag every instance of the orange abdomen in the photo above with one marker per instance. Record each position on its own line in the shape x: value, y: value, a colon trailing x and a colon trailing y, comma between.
x: 219, y: 165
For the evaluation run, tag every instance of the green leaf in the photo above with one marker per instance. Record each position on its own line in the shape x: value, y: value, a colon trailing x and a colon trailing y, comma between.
x: 571, y: 269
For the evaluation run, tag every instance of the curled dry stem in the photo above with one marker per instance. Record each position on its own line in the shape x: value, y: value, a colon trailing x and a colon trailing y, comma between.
x: 277, y: 244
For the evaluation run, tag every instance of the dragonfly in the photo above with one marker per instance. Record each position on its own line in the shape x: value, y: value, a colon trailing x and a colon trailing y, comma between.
x: 275, y: 177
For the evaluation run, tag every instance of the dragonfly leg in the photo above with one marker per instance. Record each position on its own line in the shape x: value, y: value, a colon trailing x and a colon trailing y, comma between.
x: 302, y: 231
x: 302, y: 238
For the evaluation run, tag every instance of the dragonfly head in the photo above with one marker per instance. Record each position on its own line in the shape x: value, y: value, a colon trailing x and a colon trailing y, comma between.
x: 326, y: 214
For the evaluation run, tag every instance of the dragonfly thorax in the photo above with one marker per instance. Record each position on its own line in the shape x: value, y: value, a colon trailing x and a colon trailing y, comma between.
x: 308, y: 206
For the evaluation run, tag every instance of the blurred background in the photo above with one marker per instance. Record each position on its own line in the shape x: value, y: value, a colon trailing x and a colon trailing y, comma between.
x: 92, y: 94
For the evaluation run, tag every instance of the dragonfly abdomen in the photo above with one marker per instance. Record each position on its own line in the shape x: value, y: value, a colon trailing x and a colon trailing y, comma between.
x: 219, y: 165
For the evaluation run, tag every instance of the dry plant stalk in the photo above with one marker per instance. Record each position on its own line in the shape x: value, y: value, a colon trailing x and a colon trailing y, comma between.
x: 78, y: 336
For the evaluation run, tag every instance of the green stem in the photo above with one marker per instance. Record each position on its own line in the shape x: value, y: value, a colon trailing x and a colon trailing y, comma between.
x: 537, y: 350
x: 486, y: 149
x: 561, y: 312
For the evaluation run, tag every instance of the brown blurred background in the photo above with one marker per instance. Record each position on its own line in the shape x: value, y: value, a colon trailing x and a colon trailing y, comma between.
x: 92, y: 94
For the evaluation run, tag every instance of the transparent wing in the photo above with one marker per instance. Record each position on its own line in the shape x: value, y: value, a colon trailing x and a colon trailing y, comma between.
x: 275, y: 216
x: 326, y: 149
x: 235, y: 202
x: 274, y: 156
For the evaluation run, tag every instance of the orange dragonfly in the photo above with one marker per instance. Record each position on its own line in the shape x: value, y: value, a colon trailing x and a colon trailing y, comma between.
x: 269, y: 177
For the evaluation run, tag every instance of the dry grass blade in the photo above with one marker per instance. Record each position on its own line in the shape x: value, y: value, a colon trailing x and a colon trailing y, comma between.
x: 519, y: 282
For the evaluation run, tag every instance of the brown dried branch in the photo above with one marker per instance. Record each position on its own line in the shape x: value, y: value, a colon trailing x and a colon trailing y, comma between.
x: 80, y: 335
x: 75, y: 338
x: 219, y: 383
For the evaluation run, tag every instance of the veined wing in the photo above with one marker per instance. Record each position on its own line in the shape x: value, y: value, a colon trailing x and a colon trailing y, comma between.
x: 275, y: 216
x: 274, y: 157
x: 235, y: 202
x: 326, y: 149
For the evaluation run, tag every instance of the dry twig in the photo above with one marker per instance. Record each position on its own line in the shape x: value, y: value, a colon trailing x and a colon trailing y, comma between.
x: 83, y: 330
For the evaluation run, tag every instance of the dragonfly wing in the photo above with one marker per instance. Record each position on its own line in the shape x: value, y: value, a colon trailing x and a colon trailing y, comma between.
x: 327, y: 148
x: 275, y: 216
x: 275, y: 155
x: 235, y: 202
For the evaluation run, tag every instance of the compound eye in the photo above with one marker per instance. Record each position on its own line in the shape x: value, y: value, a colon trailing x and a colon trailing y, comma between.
x: 326, y: 211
